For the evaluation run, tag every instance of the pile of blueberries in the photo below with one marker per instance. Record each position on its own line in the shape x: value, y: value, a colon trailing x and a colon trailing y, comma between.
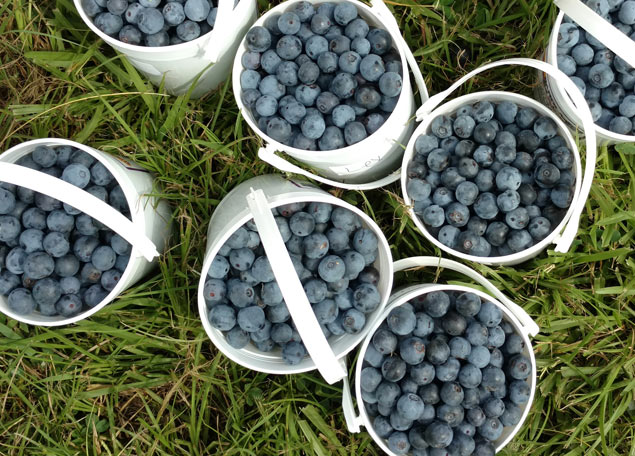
x: 605, y: 80
x: 492, y: 180
x: 320, y: 78
x: 152, y: 22
x: 443, y: 375
x: 55, y: 259
x: 332, y: 253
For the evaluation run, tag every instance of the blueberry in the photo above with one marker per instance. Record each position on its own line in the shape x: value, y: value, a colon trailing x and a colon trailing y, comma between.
x: 410, y: 406
x: 91, y: 8
x: 437, y: 161
x: 353, y: 321
x: 463, y: 126
x: 384, y: 341
x: 21, y: 301
x: 361, y: 46
x: 382, y: 426
x: 380, y: 41
x: 506, y: 111
x: 539, y: 228
x: 601, y: 76
x: 457, y: 214
x: 390, y: 84
x: 566, y: 64
x: 293, y: 353
x: 258, y: 39
x: 437, y: 351
x: 433, y: 216
x: 418, y: 189
x: 373, y: 122
x: 343, y: 86
x: 372, y: 67
x: 332, y: 138
x: 344, y: 13
x: 316, y: 245
x: 108, y: 23
x: 367, y: 97
x: 438, y: 434
x: 491, y: 429
x: 366, y: 298
x: 108, y: 280
x: 393, y: 369
x: 568, y: 35
x: 621, y: 125
x: 626, y: 12
x: 69, y: 305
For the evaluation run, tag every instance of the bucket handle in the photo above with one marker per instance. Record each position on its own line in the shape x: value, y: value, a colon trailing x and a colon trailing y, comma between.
x: 268, y: 155
x: 600, y: 28
x: 221, y: 28
x: 81, y: 200
x: 523, y: 317
x: 292, y: 291
x: 380, y: 8
x: 565, y: 239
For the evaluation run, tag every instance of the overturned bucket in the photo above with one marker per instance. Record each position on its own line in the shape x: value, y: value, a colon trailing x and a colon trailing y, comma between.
x: 370, y: 163
x: 147, y: 230
x: 514, y: 315
x: 252, y: 201
x: 207, y: 58
x: 564, y: 233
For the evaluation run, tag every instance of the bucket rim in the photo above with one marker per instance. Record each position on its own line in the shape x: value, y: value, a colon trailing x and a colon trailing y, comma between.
x: 278, y: 367
x: 301, y: 154
x: 412, y: 291
x: 513, y: 258
x: 16, y: 152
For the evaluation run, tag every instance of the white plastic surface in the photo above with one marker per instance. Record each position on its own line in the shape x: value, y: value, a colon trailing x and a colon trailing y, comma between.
x: 233, y: 212
x: 564, y: 234
x: 292, y: 291
x: 560, y: 96
x: 600, y: 28
x: 150, y: 219
x: 364, y: 165
x: 180, y: 64
x: 357, y: 418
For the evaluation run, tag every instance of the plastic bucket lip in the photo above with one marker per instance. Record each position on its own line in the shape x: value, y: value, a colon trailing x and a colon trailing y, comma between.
x: 18, y: 151
x: 250, y: 356
x: 450, y: 108
x: 562, y: 100
x: 355, y: 149
x: 413, y: 291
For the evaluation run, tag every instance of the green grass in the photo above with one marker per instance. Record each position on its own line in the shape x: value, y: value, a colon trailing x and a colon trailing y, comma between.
x: 141, y: 376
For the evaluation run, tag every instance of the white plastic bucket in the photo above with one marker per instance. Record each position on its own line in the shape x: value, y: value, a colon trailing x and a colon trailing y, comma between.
x: 372, y: 162
x: 254, y: 199
x: 179, y: 65
x: 604, y: 31
x: 563, y: 234
x: 147, y: 232
x: 512, y: 313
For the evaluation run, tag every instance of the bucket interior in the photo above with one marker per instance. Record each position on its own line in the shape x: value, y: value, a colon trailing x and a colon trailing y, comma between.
x: 404, y: 295
x: 449, y: 109
x: 136, y: 212
x: 272, y: 362
x: 349, y: 154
